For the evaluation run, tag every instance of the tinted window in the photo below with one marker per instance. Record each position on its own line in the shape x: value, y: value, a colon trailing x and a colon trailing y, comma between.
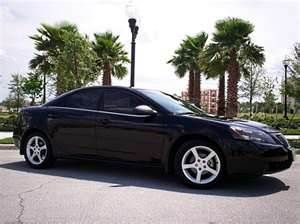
x: 120, y: 101
x: 172, y: 104
x: 83, y: 99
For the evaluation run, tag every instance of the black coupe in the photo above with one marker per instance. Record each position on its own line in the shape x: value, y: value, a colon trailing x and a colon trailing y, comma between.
x: 152, y: 128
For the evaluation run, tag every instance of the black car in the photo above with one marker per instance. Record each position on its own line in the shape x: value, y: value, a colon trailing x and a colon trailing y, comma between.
x: 151, y: 128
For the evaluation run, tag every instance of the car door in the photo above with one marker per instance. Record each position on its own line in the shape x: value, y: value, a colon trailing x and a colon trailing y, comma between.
x: 72, y: 122
x: 122, y: 134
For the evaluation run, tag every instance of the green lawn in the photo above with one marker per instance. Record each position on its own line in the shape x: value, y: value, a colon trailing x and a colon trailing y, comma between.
x: 262, y: 115
x: 6, y: 141
x: 6, y: 115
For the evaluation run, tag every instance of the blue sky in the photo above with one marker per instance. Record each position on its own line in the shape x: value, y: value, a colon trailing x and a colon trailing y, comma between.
x: 163, y: 24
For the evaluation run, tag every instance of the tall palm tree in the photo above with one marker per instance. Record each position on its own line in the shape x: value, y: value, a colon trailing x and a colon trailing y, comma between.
x: 186, y: 60
x: 213, y: 63
x: 111, y: 56
x: 232, y: 35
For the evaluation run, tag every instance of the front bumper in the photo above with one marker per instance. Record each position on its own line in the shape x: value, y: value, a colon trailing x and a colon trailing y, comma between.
x: 256, y: 159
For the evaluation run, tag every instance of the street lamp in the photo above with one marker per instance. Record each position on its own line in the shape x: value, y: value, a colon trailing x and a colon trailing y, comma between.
x: 285, y: 64
x: 134, y: 31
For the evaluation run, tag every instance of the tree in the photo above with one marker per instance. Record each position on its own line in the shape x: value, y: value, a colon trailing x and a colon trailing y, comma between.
x: 251, y: 85
x: 213, y: 63
x: 16, y: 92
x: 186, y: 60
x: 76, y: 62
x: 32, y: 86
x: 268, y: 85
x: 111, y: 56
x: 232, y: 36
x: 293, y: 87
x: 64, y: 55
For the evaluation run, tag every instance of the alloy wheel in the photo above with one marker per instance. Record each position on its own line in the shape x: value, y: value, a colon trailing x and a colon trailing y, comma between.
x: 201, y: 164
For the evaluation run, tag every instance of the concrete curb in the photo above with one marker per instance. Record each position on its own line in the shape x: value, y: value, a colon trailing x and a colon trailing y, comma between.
x: 8, y: 147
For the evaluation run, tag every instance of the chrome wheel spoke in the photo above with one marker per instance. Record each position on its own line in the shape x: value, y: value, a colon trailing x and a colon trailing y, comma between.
x: 36, y: 141
x: 195, y: 153
x: 211, y: 170
x: 44, y: 147
x: 198, y: 176
x: 39, y: 157
x: 210, y: 156
x: 188, y: 166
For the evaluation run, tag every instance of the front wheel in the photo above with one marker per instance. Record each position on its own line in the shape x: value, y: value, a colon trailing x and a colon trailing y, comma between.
x: 38, y: 153
x: 199, y: 164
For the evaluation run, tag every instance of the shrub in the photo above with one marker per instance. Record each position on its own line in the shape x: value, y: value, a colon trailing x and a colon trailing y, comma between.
x: 7, y: 123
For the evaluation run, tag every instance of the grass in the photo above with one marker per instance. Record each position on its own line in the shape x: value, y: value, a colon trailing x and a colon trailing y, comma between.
x: 263, y: 115
x: 6, y: 114
x: 291, y: 131
x: 8, y: 140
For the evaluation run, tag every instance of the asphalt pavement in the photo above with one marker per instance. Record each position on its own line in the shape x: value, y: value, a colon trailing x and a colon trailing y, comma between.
x: 93, y: 192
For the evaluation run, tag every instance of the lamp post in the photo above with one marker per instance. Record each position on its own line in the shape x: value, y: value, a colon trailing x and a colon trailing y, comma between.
x: 285, y: 64
x: 44, y: 89
x: 134, y: 31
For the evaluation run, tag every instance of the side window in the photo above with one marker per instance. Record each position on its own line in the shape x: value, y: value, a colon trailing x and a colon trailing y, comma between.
x: 120, y: 101
x: 83, y: 99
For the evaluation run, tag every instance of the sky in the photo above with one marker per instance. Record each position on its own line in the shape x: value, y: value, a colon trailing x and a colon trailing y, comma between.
x: 163, y: 24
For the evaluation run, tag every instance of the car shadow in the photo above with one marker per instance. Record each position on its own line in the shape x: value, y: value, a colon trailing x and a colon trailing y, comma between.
x: 145, y: 177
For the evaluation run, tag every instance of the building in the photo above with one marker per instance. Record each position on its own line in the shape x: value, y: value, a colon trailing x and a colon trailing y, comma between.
x: 209, y: 99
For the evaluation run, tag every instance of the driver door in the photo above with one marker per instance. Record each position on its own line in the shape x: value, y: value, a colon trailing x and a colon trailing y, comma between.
x: 124, y: 135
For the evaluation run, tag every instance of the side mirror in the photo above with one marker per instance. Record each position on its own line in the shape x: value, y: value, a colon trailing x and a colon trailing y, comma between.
x: 145, y: 110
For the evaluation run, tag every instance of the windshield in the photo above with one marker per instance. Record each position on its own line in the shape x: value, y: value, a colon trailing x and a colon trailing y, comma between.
x: 173, y: 104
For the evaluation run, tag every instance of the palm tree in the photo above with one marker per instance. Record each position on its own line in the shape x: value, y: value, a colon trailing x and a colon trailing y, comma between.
x: 232, y: 36
x: 213, y: 63
x: 111, y: 56
x: 47, y: 42
x: 186, y: 60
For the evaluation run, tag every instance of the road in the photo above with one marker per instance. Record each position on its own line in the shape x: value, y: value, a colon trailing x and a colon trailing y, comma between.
x: 91, y: 192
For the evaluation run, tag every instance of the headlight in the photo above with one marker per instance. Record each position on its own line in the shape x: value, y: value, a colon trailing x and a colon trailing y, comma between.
x: 251, y: 134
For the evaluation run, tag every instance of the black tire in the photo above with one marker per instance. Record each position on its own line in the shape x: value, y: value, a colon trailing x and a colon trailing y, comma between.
x: 181, y: 154
x: 48, y: 160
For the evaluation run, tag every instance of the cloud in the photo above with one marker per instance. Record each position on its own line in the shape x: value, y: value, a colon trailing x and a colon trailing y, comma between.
x: 163, y: 24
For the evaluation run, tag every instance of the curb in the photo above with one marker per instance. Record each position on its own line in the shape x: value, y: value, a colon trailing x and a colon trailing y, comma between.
x: 8, y: 147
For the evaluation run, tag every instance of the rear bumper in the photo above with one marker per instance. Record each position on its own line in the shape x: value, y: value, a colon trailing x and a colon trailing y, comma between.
x: 257, y: 159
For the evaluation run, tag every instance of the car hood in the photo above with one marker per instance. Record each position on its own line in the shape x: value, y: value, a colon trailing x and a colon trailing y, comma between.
x: 238, y: 122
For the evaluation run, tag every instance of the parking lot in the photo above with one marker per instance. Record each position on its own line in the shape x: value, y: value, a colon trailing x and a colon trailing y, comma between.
x: 93, y: 192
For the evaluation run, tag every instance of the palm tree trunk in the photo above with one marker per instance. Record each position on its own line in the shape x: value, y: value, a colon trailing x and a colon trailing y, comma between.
x: 221, y: 96
x: 197, y: 88
x: 191, y: 85
x: 106, y: 78
x: 232, y: 87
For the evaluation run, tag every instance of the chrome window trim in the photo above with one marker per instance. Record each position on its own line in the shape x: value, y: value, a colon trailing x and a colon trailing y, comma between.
x: 101, y: 111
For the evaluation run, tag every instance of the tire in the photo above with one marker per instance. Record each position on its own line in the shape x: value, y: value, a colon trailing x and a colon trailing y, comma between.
x: 37, y: 151
x: 196, y: 159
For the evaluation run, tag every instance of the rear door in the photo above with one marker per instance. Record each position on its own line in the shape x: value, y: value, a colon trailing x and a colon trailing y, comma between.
x: 72, y: 122
x: 124, y: 135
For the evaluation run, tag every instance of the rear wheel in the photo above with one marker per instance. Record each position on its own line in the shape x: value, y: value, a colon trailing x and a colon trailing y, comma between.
x: 199, y: 164
x: 38, y: 152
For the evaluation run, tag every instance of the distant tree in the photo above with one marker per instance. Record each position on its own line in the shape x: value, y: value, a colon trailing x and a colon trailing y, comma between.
x: 111, y: 56
x: 16, y: 91
x: 251, y: 84
x: 32, y: 86
x: 293, y: 88
x: 268, y: 86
